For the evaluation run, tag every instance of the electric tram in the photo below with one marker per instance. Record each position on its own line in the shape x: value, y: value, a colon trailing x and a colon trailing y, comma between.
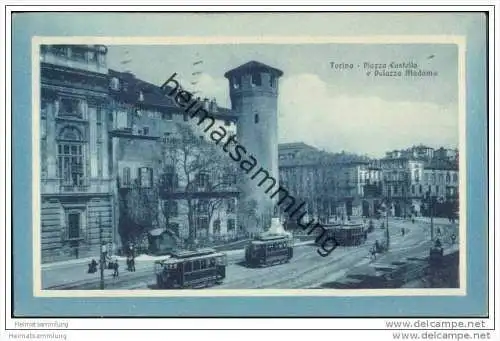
x: 347, y: 234
x: 191, y: 269
x: 266, y: 250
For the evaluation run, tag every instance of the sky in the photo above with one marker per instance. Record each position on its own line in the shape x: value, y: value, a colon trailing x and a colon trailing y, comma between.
x: 332, y: 109
x: 328, y: 109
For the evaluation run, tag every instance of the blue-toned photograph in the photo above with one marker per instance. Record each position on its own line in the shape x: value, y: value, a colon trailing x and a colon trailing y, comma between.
x: 333, y: 169
x: 234, y: 167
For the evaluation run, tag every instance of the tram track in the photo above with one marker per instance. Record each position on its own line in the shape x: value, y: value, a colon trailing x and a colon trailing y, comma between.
x: 305, y: 270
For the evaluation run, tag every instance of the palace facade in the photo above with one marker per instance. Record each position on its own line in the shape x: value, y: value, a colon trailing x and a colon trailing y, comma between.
x: 107, y: 159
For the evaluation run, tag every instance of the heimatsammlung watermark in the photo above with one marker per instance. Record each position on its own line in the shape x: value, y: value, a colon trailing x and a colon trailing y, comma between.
x: 193, y: 107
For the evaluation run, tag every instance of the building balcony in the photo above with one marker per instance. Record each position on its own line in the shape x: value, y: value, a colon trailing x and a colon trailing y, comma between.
x: 198, y: 192
x: 129, y: 134
x: 92, y: 186
x: 74, y: 188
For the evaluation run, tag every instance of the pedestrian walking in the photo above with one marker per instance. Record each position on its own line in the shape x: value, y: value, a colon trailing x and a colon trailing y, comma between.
x: 115, y: 268
x: 132, y: 264
x: 403, y: 231
x: 131, y: 250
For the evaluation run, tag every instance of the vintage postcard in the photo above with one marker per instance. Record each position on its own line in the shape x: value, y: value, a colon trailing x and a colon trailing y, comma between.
x: 166, y: 166
x: 249, y: 166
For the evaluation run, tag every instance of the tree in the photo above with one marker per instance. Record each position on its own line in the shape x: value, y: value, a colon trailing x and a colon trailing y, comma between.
x: 202, y: 168
x: 138, y: 211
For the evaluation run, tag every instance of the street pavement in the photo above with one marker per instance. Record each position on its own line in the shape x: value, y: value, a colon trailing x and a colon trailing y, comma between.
x: 306, y: 269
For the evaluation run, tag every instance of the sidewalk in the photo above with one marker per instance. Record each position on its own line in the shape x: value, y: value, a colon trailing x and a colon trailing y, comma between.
x: 75, y: 271
x: 85, y: 261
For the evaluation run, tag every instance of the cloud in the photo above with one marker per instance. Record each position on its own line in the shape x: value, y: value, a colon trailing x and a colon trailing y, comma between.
x: 211, y: 87
x: 311, y: 112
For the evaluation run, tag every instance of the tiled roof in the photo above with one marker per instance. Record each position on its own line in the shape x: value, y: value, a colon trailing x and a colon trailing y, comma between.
x: 152, y: 95
x: 253, y: 66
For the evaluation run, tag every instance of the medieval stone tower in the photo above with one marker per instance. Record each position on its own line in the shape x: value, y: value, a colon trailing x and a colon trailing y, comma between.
x: 254, y: 94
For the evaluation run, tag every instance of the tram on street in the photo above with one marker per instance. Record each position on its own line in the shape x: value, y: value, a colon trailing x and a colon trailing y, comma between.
x: 347, y: 234
x: 266, y: 250
x: 191, y: 269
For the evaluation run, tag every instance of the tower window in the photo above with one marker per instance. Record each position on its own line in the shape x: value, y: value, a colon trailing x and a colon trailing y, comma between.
x: 256, y: 79
x: 236, y: 82
x: 256, y: 118
x: 272, y: 81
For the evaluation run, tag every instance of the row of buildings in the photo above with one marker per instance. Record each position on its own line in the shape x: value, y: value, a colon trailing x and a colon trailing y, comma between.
x: 120, y: 160
x: 350, y: 185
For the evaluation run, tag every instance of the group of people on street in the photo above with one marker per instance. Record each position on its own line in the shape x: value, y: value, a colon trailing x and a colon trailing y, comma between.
x: 111, y: 264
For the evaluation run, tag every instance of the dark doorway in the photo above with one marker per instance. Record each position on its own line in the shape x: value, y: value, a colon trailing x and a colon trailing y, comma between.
x: 74, y: 232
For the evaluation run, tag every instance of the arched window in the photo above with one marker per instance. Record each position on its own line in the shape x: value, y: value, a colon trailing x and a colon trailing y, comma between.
x: 71, y: 157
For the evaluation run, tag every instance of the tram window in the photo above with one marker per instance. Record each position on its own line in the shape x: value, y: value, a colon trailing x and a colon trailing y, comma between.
x: 188, y: 267
x: 196, y: 265
x: 203, y: 264
x: 212, y: 262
